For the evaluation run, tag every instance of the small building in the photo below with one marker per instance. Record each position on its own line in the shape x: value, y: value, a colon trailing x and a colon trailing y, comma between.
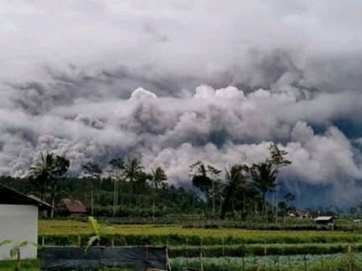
x: 298, y: 213
x: 19, y: 221
x: 326, y: 222
x: 68, y: 207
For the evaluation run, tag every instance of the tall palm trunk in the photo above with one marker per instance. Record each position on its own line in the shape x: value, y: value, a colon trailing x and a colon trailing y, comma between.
x: 43, y: 189
x: 131, y: 192
x: 273, y: 202
x: 226, y: 203
x: 53, y: 202
x: 276, y: 206
x: 92, y: 198
x: 243, y: 218
x: 115, y: 197
x: 264, y: 205
x: 213, y: 199
x: 153, y: 208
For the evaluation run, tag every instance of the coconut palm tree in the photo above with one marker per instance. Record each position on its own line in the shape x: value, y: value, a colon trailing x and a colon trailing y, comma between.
x: 117, y: 167
x: 94, y: 172
x: 265, y: 179
x: 216, y: 187
x: 204, y: 178
x: 277, y: 160
x: 236, y: 178
x: 132, y: 168
x: 158, y: 177
x: 47, y: 172
x: 41, y: 172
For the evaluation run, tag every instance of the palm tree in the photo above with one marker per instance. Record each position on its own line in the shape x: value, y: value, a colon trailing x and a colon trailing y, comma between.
x: 216, y: 188
x: 204, y: 178
x: 132, y: 168
x: 158, y: 177
x: 47, y: 172
x: 236, y: 178
x: 265, y: 179
x: 117, y: 167
x: 42, y: 172
x: 277, y: 160
x: 94, y: 172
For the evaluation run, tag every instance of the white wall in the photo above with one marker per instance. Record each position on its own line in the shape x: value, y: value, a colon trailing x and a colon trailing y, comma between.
x: 18, y: 223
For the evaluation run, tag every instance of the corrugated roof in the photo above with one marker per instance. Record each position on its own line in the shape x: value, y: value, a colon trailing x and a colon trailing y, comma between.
x: 324, y: 218
x: 11, y: 196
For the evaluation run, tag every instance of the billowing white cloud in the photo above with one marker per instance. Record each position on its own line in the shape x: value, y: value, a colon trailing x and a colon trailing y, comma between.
x: 177, y: 81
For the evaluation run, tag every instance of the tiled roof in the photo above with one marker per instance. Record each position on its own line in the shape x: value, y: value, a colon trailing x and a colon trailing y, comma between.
x: 73, y: 206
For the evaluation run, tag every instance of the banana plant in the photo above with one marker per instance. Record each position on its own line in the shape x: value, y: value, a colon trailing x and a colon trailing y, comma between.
x: 98, y: 231
x: 15, y: 251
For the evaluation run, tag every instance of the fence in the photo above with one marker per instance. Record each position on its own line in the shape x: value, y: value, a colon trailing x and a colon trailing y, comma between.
x: 133, y: 258
x: 244, y: 257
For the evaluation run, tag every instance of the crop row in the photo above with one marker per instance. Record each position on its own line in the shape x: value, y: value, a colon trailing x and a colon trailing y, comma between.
x: 189, y: 250
x: 261, y: 250
x: 195, y: 240
x: 328, y: 262
x: 273, y: 263
x: 52, y: 227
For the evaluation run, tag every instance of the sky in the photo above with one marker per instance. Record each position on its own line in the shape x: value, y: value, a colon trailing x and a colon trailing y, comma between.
x: 173, y: 82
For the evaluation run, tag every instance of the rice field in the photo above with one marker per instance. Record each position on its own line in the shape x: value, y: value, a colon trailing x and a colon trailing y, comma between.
x: 53, y: 227
x: 222, y: 249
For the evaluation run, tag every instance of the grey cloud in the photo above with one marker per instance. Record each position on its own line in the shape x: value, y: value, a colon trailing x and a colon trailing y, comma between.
x: 175, y: 81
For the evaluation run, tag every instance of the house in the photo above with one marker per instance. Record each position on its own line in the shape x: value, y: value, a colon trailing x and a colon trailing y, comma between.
x: 19, y: 220
x: 298, y: 214
x: 68, y: 207
x: 326, y: 222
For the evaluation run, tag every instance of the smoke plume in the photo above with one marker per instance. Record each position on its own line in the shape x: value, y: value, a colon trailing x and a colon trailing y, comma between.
x: 177, y: 81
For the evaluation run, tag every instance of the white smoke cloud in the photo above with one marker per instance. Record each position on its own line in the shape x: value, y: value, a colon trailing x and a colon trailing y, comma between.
x: 177, y: 81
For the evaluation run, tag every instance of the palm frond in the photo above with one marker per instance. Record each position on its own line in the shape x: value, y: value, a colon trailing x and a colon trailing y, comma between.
x: 5, y: 242
x: 94, y: 224
x: 91, y: 241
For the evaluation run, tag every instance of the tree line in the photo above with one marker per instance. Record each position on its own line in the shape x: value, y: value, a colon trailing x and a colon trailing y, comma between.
x: 125, y: 188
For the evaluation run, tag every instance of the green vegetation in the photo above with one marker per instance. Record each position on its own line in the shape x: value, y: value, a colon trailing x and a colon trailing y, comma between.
x: 72, y: 227
x: 61, y: 232
x: 223, y: 223
x: 223, y: 248
x: 124, y: 188
x: 272, y: 263
x: 28, y: 265
x: 15, y: 250
x: 98, y: 232
x: 46, y: 175
x: 329, y: 262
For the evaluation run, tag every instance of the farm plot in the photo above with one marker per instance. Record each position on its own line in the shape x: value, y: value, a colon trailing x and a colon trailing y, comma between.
x: 69, y: 233
x: 224, y: 249
x: 331, y: 262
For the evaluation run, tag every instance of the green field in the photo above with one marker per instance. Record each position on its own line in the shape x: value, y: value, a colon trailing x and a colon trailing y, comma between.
x: 219, y: 249
x: 53, y: 227
x: 178, y: 235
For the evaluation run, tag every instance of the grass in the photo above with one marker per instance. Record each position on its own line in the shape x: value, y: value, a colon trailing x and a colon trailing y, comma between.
x: 261, y: 249
x: 47, y: 227
x: 212, y: 236
x: 186, y: 242
x: 329, y: 262
x: 29, y: 265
